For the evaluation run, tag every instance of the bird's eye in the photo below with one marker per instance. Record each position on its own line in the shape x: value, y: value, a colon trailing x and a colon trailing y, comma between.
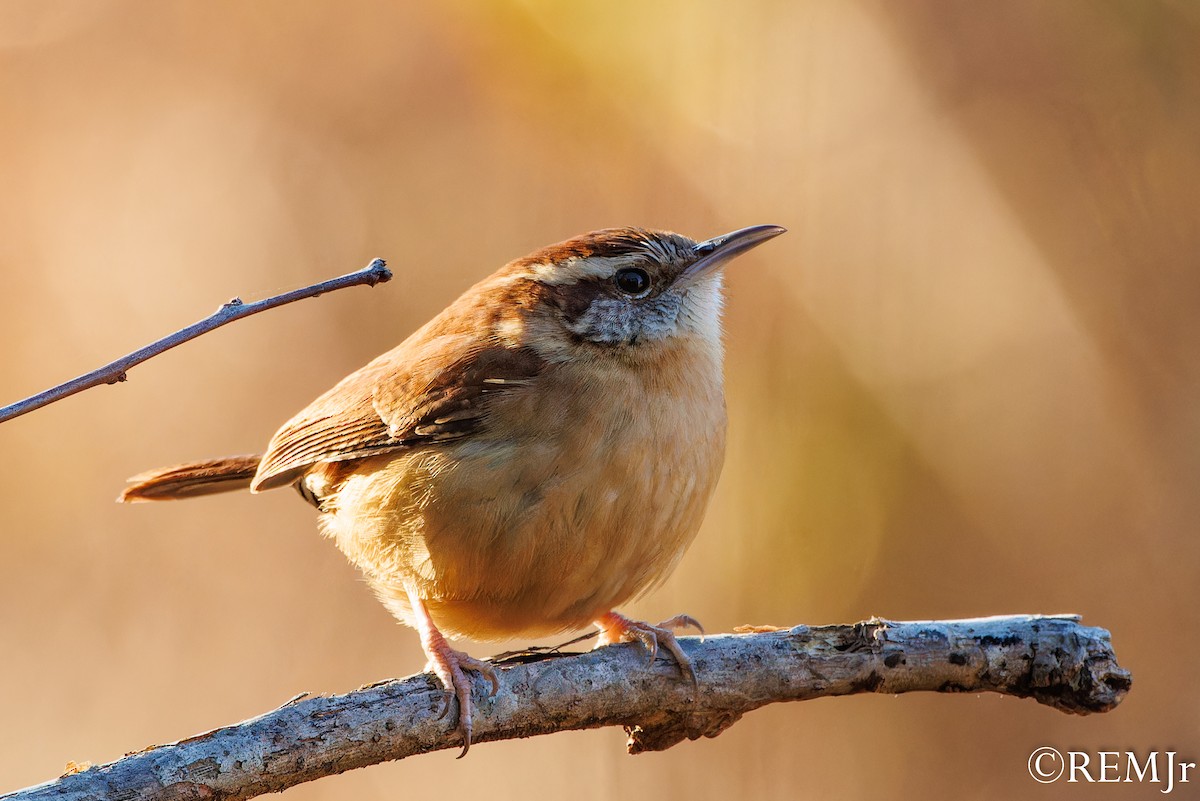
x: 632, y: 281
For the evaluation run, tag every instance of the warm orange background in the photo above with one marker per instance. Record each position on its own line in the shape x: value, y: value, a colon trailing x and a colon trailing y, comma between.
x: 964, y: 384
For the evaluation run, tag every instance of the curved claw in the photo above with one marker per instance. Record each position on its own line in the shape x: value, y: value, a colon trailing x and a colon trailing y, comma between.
x: 450, y: 666
x: 683, y: 622
x: 616, y: 627
x: 489, y: 672
x: 649, y: 640
x: 447, y: 696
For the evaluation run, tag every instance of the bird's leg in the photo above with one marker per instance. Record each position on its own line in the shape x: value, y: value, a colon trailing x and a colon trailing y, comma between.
x: 615, y: 627
x: 450, y: 666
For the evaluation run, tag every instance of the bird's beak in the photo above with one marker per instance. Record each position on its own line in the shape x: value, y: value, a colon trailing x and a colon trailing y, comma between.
x: 712, y: 254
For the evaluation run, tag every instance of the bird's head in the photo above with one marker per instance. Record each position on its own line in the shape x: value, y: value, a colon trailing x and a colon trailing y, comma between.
x: 621, y: 291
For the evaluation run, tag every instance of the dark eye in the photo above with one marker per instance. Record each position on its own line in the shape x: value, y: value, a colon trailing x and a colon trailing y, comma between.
x: 632, y: 281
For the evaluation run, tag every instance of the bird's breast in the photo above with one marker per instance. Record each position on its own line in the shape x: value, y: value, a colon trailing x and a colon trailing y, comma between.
x: 573, y: 499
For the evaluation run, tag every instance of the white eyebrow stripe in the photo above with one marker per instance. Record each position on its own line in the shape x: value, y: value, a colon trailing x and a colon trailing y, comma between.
x: 575, y: 270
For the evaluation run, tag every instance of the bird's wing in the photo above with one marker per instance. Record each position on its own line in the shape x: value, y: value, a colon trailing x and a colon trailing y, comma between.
x: 437, y: 392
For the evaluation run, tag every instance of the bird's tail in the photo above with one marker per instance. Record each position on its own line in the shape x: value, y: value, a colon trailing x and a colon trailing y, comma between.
x: 191, y: 480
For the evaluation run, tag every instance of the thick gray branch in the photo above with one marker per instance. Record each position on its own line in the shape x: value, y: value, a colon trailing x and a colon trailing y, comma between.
x: 1053, y: 660
x: 374, y: 273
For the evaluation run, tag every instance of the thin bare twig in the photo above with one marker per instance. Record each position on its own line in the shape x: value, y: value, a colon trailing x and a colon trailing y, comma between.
x: 374, y: 273
x: 1054, y: 660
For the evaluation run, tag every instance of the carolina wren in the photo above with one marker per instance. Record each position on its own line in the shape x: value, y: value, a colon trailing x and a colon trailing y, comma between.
x: 534, y: 456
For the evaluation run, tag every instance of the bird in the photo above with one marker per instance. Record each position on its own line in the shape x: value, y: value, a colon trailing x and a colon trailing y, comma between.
x: 535, y: 456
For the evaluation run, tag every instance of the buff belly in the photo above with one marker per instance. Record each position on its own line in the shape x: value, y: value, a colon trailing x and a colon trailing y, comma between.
x: 530, y: 535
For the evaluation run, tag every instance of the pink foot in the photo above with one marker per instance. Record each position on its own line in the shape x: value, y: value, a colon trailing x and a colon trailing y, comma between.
x: 451, y: 666
x: 615, y: 627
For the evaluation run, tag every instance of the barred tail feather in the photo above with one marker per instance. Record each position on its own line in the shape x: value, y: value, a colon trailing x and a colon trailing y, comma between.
x: 192, y: 480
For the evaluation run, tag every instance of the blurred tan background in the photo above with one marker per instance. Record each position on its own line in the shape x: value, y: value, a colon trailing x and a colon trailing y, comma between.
x: 965, y: 383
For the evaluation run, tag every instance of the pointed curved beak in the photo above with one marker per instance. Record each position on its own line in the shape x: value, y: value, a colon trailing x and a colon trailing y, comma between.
x: 714, y: 253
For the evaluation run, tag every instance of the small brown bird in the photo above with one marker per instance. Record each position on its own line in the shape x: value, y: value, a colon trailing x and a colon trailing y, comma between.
x: 534, y: 456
